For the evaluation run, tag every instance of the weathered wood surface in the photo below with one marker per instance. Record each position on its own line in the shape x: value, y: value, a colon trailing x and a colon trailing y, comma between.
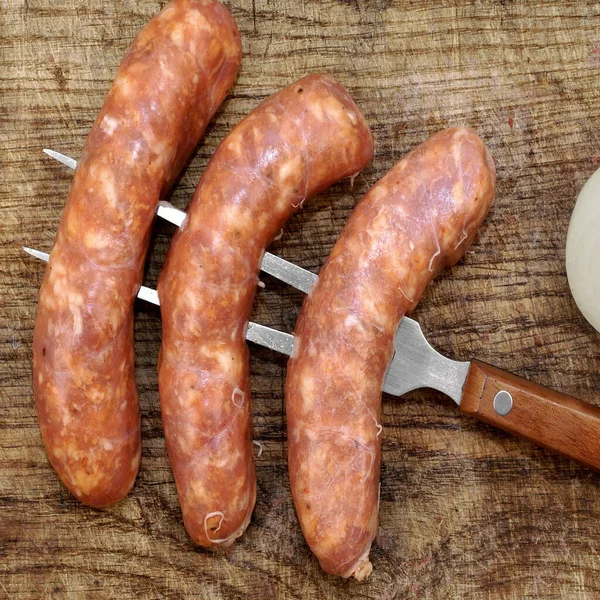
x: 466, y: 511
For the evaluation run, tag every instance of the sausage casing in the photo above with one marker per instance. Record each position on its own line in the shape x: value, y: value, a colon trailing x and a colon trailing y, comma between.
x: 420, y: 217
x: 168, y: 86
x: 293, y: 145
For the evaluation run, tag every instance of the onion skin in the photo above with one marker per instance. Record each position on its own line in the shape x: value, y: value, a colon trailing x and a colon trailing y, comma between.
x: 583, y: 251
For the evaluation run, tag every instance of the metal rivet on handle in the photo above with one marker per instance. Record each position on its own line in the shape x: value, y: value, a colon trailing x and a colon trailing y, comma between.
x: 503, y: 403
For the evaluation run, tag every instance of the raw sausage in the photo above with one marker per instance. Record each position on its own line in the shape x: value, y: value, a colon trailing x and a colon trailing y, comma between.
x: 420, y: 217
x: 293, y: 145
x: 169, y: 85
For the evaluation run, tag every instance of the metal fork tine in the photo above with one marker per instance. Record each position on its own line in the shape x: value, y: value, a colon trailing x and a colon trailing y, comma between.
x: 279, y: 268
x: 37, y: 254
x: 65, y: 160
x: 165, y: 209
x: 259, y: 334
x: 398, y: 379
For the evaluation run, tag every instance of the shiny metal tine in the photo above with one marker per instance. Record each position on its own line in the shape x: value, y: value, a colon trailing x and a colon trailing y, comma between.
x: 259, y: 334
x: 416, y: 365
x: 288, y: 272
x: 145, y: 293
x: 37, y: 254
x: 279, y: 268
x: 169, y: 213
x: 65, y: 160
x: 149, y: 295
x: 165, y: 209
x: 270, y: 338
x: 406, y: 371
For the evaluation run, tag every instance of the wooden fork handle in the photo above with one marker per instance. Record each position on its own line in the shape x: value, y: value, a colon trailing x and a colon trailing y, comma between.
x: 541, y: 415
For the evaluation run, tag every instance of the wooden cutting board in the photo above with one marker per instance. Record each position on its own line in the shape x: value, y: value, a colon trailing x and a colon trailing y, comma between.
x: 467, y: 512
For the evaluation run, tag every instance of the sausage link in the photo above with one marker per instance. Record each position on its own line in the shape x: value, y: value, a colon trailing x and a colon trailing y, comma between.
x: 420, y: 217
x: 292, y: 146
x: 168, y: 87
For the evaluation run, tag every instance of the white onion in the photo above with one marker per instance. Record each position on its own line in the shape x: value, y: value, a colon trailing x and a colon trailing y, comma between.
x: 583, y: 251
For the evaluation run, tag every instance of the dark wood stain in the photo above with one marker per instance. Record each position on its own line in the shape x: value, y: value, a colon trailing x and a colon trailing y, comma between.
x: 467, y: 511
x: 59, y: 76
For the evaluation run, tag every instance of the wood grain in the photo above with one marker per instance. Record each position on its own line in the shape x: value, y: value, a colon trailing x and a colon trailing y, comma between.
x: 541, y: 415
x: 467, y: 512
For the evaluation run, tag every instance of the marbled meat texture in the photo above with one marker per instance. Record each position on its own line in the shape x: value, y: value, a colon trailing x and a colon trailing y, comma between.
x: 296, y: 143
x: 420, y: 217
x: 169, y: 85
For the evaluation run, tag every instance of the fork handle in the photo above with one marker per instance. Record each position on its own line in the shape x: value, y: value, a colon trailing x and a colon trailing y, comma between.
x: 531, y: 411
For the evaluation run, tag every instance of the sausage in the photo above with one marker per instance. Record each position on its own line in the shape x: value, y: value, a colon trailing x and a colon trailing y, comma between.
x: 420, y: 217
x: 169, y: 85
x: 293, y: 145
